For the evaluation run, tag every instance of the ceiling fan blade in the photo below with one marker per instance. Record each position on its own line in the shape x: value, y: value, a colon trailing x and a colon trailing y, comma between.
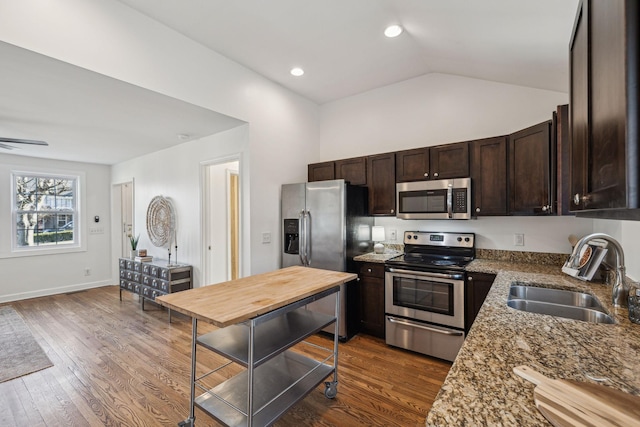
x: 22, y: 141
x: 6, y: 147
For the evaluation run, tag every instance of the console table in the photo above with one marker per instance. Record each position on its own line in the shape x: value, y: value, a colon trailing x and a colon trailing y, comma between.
x: 154, y: 278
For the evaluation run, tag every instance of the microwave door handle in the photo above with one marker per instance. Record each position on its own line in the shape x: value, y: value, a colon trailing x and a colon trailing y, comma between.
x: 450, y: 201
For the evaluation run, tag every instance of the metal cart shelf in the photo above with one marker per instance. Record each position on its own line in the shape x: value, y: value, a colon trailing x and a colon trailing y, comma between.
x: 276, y: 377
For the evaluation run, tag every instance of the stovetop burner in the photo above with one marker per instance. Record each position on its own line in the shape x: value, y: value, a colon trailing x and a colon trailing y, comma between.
x: 435, y: 251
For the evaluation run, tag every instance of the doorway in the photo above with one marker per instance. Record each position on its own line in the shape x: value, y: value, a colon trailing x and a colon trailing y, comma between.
x: 123, y: 206
x: 221, y: 213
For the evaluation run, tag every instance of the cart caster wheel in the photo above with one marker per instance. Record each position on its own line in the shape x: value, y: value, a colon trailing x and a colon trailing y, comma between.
x: 330, y: 390
x: 186, y: 423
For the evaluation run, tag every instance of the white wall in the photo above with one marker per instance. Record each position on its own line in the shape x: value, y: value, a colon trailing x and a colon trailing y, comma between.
x: 628, y: 234
x: 110, y: 38
x: 178, y: 174
x: 53, y: 273
x: 438, y: 109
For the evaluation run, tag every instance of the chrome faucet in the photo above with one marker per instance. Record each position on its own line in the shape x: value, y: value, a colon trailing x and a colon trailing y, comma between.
x: 620, y: 291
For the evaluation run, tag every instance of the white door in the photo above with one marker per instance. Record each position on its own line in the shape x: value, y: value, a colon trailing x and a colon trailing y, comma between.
x: 221, y: 213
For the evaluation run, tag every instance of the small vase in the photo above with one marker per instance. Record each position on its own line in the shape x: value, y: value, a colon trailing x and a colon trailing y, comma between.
x: 134, y: 253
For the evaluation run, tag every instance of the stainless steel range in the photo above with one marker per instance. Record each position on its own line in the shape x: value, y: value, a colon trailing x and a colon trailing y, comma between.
x: 424, y: 293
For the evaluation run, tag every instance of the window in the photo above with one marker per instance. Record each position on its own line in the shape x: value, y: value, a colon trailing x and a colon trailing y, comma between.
x: 45, y: 211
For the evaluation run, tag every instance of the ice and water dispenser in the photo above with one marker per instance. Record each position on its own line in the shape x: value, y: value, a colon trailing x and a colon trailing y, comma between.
x: 291, y: 237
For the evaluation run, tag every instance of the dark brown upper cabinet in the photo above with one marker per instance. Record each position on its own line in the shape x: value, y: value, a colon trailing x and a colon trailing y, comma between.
x: 354, y: 170
x: 604, y: 111
x: 381, y: 181
x: 531, y: 190
x: 437, y: 162
x: 449, y: 161
x: 321, y: 171
x: 563, y: 155
x: 489, y: 176
x: 412, y: 165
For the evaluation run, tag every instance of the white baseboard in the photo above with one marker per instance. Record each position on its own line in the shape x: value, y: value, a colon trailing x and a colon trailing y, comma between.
x: 54, y: 291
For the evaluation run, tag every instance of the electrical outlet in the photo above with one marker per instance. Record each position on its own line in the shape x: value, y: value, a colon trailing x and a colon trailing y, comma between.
x: 518, y: 239
x: 96, y: 230
x: 266, y: 237
x: 87, y: 271
x: 393, y: 234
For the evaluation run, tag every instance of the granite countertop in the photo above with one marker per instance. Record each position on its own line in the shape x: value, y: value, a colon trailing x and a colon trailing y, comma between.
x: 380, y: 258
x: 481, y: 388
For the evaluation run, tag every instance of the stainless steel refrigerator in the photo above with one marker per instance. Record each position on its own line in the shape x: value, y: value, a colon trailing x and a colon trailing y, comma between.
x: 324, y: 225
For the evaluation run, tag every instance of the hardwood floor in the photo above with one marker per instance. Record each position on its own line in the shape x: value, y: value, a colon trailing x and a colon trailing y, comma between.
x: 116, y: 365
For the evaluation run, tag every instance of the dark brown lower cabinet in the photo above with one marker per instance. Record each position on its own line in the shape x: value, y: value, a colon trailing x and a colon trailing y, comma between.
x: 372, y: 299
x: 477, y: 287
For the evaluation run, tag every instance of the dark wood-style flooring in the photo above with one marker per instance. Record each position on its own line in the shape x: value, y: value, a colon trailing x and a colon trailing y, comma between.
x: 116, y: 365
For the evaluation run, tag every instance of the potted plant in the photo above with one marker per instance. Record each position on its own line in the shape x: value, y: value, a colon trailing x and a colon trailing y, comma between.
x: 134, y: 245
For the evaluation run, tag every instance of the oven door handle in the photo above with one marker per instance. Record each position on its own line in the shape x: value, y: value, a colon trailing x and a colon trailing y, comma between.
x: 427, y: 274
x: 426, y: 328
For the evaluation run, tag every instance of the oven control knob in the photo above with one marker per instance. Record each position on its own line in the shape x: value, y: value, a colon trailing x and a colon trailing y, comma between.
x: 459, y: 239
x: 466, y: 239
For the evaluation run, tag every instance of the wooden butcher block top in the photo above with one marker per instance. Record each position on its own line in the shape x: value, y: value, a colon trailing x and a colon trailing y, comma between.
x: 232, y: 302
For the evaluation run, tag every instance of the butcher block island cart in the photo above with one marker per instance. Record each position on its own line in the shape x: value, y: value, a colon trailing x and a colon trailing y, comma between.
x: 260, y: 318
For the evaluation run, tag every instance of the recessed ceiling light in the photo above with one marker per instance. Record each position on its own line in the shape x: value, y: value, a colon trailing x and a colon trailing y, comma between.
x: 297, y: 71
x: 393, y: 31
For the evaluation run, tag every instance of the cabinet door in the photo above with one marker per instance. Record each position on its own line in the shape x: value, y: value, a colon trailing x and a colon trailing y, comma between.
x: 381, y: 181
x: 529, y: 171
x: 354, y: 171
x: 477, y: 287
x: 321, y: 171
x: 563, y: 152
x: 489, y: 176
x: 412, y: 165
x: 606, y: 177
x: 449, y: 161
x: 603, y: 54
x: 372, y: 299
x: 579, y: 105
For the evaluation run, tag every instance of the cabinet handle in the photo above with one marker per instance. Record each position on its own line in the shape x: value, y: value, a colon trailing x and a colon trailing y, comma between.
x: 426, y: 174
x: 392, y: 210
x: 470, y: 278
x: 477, y: 209
x: 368, y: 270
x: 584, y: 199
x: 436, y: 174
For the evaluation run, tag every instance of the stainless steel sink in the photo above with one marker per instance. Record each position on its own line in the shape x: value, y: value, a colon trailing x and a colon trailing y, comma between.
x: 557, y: 302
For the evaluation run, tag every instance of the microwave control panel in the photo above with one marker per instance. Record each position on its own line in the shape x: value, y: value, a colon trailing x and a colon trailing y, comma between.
x: 459, y: 200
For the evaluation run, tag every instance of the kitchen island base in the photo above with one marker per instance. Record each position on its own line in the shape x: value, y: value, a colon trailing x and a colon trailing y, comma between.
x: 275, y: 376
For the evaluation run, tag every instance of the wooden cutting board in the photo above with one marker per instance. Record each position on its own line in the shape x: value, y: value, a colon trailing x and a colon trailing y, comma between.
x: 568, y: 403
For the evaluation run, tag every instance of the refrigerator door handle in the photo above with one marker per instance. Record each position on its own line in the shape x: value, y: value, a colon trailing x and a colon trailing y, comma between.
x: 301, y: 233
x: 308, y: 225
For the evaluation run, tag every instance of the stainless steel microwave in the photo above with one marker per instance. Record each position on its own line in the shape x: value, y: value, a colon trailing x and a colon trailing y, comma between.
x: 438, y: 199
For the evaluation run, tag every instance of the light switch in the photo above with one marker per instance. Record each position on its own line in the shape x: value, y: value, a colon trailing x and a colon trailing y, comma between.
x: 266, y: 237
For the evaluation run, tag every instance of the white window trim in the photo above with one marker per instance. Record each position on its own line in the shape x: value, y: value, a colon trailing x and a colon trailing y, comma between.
x: 80, y: 244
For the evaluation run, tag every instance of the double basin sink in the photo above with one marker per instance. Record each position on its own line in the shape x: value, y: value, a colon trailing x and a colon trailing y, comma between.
x: 557, y: 302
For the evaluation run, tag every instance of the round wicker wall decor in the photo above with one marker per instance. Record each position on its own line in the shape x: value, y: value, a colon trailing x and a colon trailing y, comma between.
x: 160, y: 221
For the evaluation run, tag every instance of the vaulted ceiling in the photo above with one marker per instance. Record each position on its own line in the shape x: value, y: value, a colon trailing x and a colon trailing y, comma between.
x: 339, y: 43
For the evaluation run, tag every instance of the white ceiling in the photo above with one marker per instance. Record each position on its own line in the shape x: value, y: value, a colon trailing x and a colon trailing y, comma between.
x: 92, y: 118
x: 341, y: 46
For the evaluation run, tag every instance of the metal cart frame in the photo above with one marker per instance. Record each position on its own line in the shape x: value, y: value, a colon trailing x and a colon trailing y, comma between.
x: 260, y: 344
